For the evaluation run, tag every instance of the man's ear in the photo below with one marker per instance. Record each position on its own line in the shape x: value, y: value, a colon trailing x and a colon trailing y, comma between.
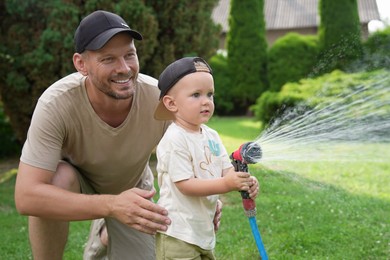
x: 169, y: 103
x: 79, y: 63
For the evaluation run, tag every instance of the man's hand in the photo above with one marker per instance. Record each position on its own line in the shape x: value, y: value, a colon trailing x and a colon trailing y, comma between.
x: 134, y: 208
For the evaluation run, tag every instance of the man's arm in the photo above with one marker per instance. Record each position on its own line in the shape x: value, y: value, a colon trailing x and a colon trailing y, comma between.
x: 36, y: 195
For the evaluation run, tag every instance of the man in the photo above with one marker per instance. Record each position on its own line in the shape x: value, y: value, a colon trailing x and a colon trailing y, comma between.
x: 88, y: 147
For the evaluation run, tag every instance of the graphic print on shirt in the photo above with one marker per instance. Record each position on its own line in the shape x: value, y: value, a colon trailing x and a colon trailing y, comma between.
x: 214, y: 147
x: 210, y: 150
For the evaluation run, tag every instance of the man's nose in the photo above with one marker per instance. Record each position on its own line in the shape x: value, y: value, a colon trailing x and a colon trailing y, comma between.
x: 122, y: 66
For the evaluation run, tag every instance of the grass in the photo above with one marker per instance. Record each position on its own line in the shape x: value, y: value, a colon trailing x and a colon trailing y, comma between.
x: 306, y: 210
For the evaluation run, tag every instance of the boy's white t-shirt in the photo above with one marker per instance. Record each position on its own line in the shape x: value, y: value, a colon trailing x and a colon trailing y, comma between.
x: 183, y: 155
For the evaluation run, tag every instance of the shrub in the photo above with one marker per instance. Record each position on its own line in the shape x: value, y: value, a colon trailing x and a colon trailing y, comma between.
x: 8, y: 140
x: 223, y: 94
x: 291, y: 58
x: 271, y: 104
x: 310, y: 92
x: 377, y: 50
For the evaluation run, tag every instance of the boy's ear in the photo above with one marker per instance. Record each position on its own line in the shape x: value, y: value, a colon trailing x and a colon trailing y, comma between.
x: 169, y: 103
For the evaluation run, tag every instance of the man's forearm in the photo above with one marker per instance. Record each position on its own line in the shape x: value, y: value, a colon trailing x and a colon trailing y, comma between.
x: 48, y: 201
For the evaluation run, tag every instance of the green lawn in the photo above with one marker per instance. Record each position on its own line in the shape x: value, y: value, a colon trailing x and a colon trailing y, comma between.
x: 306, y: 210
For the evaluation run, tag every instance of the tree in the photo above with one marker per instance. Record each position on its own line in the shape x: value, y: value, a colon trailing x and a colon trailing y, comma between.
x: 185, y: 28
x: 247, y: 51
x: 36, y: 42
x: 339, y: 34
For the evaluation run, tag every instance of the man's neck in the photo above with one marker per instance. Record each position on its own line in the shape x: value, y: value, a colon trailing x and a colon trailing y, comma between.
x: 112, y: 111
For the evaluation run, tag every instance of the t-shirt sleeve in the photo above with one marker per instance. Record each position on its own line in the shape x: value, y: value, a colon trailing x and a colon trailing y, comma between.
x: 180, y: 165
x: 45, y: 137
x: 174, y: 157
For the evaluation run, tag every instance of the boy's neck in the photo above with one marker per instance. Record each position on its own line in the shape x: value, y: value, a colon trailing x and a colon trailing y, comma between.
x: 188, y: 127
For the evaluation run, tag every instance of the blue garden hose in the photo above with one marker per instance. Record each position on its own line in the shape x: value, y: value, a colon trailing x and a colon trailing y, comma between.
x: 249, y: 153
x: 257, y: 236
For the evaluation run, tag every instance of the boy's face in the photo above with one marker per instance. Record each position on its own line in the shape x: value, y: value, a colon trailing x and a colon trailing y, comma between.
x: 193, y: 99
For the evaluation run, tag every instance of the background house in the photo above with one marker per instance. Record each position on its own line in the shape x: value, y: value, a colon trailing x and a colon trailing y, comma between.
x: 300, y: 16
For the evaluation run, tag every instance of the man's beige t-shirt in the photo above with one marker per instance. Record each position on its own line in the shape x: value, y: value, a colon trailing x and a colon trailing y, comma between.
x: 65, y: 126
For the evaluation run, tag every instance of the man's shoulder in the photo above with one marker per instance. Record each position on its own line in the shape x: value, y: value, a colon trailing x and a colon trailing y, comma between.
x: 71, y: 79
x: 147, y: 80
x: 63, y: 87
x: 148, y: 87
x: 68, y: 82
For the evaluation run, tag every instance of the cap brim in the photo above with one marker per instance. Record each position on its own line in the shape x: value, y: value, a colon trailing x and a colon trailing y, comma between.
x: 162, y: 113
x: 99, y: 41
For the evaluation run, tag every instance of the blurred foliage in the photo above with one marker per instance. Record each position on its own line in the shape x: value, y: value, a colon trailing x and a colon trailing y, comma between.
x: 36, y: 43
x: 36, y: 46
x: 308, y: 93
x: 247, y: 52
x: 339, y: 33
x: 9, y: 144
x: 376, y: 51
x: 223, y: 98
x: 185, y: 28
x: 291, y: 58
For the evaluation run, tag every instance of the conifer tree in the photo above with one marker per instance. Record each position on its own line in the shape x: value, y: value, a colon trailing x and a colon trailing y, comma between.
x: 185, y: 28
x: 339, y: 34
x: 247, y: 52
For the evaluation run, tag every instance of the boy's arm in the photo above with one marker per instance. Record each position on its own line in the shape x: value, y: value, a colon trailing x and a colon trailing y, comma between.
x: 205, y: 187
x: 253, y: 189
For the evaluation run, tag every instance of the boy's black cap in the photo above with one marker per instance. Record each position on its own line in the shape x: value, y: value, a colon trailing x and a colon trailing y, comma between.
x: 172, y: 74
x: 97, y: 28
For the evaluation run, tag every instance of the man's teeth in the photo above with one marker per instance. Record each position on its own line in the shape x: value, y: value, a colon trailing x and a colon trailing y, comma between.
x: 121, y: 81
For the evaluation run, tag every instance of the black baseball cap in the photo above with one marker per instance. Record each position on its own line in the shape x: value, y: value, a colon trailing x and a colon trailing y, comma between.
x: 172, y: 74
x: 97, y: 28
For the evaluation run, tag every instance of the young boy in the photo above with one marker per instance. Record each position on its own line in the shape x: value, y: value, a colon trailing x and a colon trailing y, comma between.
x: 193, y: 165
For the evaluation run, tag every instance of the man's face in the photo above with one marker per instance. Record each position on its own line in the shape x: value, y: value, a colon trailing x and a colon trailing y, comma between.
x: 114, y: 68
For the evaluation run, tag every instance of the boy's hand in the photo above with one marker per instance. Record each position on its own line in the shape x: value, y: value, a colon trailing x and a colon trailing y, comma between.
x: 237, y: 181
x: 254, y: 188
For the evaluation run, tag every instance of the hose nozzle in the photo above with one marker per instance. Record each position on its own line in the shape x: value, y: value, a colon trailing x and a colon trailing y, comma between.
x: 248, y: 153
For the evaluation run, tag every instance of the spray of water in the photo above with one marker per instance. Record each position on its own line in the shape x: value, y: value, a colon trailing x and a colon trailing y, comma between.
x: 339, y: 129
